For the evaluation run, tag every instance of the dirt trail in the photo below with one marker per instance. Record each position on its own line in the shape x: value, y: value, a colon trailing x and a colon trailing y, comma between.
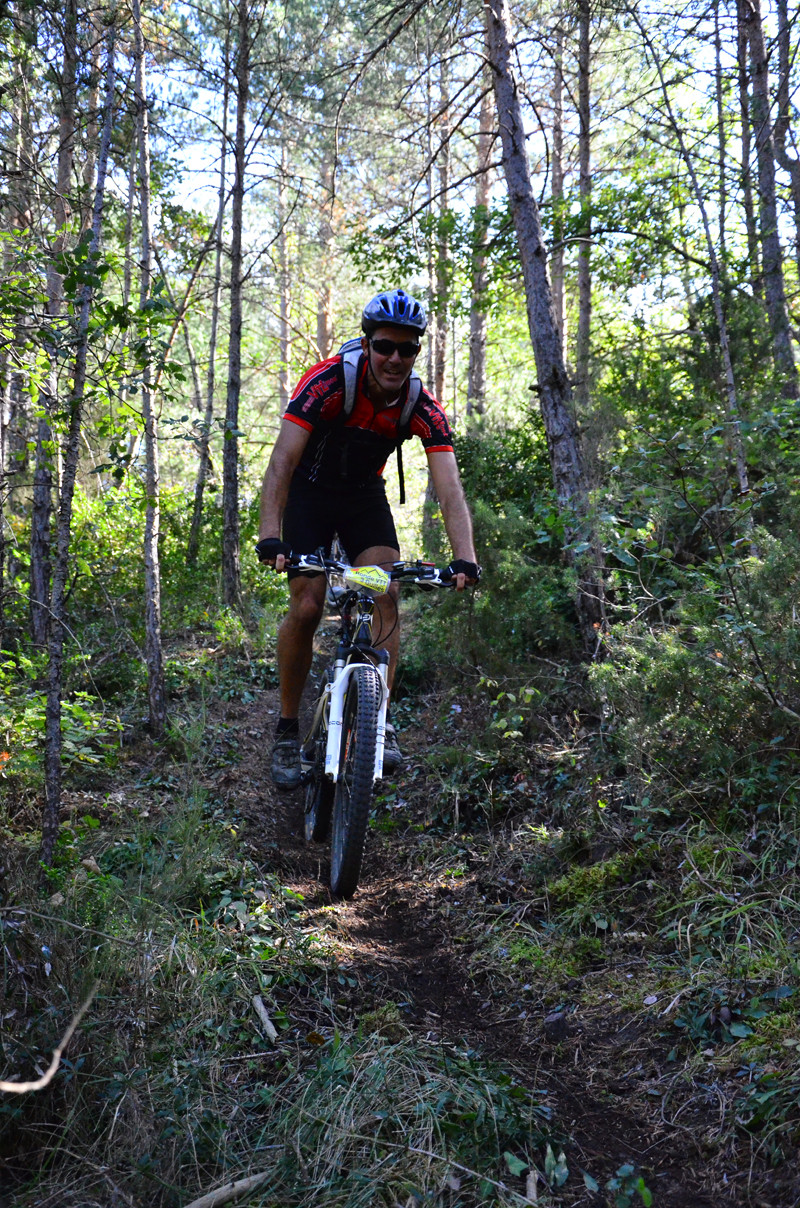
x: 400, y: 943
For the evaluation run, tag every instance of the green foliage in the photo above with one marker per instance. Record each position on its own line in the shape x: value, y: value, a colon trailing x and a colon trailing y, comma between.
x: 87, y: 732
x: 518, y: 535
x: 713, y: 1015
x: 405, y: 259
x: 716, y: 687
x: 625, y: 1186
x: 769, y: 1108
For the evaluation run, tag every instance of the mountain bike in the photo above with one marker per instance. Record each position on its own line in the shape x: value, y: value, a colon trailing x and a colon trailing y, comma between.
x: 342, y: 753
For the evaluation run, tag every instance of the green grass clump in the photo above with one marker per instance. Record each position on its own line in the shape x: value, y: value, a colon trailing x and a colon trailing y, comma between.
x: 591, y: 884
x: 375, y: 1121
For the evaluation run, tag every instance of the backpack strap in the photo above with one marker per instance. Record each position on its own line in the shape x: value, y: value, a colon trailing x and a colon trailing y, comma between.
x: 351, y: 355
x: 404, y: 427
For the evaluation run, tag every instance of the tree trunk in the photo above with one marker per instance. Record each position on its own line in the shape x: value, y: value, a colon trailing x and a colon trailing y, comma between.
x: 5, y: 428
x: 743, y: 75
x: 127, y: 277
x: 204, y: 462
x: 443, y: 246
x: 720, y: 99
x: 557, y: 258
x: 156, y: 693
x: 430, y: 375
x: 553, y: 386
x: 789, y: 163
x: 194, y: 368
x: 20, y: 151
x: 583, y: 343
x: 284, y: 335
x: 92, y: 117
x: 39, y: 581
x: 324, y: 289
x: 230, y: 453
x: 772, y: 257
x: 478, y: 318
x: 17, y: 217
x: 52, y: 805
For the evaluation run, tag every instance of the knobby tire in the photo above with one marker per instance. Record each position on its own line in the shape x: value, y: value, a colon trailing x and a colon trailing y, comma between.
x: 353, y: 795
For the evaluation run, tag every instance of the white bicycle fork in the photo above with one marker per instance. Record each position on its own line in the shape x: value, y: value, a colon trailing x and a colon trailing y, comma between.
x: 337, y: 690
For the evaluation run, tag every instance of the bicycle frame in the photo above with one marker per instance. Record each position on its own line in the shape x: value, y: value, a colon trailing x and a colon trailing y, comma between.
x: 355, y: 650
x: 329, y: 712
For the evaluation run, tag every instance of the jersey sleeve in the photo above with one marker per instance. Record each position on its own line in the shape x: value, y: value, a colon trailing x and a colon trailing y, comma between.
x: 430, y: 424
x: 318, y: 395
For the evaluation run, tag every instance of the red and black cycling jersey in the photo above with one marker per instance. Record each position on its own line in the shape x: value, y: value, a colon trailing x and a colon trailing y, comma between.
x: 352, y: 450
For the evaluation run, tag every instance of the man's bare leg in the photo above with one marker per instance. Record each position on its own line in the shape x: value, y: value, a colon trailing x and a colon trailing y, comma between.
x: 296, y: 639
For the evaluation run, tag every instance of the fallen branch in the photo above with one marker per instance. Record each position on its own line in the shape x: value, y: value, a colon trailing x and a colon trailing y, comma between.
x: 270, y: 1031
x: 54, y: 918
x: 22, y: 1088
x: 231, y: 1191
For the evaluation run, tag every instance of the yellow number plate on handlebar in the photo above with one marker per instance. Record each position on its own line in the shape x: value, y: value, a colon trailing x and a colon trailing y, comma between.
x: 371, y: 578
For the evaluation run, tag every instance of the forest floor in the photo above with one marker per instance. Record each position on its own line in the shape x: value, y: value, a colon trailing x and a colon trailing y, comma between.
x: 436, y: 952
x: 413, y: 941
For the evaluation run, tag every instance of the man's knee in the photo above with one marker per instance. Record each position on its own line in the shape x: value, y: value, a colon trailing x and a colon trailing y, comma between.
x: 306, y: 604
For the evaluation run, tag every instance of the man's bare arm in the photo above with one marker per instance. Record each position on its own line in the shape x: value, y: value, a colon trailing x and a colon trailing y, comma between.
x: 455, y: 512
x: 292, y: 440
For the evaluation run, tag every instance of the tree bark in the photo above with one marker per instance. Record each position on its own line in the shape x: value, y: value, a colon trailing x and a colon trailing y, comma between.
x: 92, y: 118
x: 41, y: 511
x: 743, y: 78
x: 553, y: 388
x: 39, y: 581
x: 789, y: 163
x: 749, y: 12
x: 720, y: 100
x: 325, y: 289
x: 52, y: 805
x: 583, y: 343
x: 557, y: 193
x: 17, y: 217
x: 430, y: 376
x: 204, y: 462
x: 127, y: 277
x: 230, y: 455
x: 284, y: 334
x: 156, y: 692
x: 478, y: 318
x: 443, y: 245
x: 6, y: 413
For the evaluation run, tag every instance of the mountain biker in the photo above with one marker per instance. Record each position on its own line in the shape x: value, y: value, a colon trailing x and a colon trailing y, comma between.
x: 325, y: 477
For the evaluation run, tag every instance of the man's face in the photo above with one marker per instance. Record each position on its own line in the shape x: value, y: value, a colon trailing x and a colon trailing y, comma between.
x: 390, y: 368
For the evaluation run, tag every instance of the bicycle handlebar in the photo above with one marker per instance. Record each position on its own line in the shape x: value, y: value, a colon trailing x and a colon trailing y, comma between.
x: 421, y: 574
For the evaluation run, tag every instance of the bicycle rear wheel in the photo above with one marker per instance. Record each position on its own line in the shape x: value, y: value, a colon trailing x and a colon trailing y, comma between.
x: 319, y: 790
x: 353, y: 794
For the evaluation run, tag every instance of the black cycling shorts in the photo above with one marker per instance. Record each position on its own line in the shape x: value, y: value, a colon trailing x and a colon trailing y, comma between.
x: 314, y: 515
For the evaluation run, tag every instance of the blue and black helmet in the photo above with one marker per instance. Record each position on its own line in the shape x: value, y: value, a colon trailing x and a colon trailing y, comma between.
x: 394, y: 306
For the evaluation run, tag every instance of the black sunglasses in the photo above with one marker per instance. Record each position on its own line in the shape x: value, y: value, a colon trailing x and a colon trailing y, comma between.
x: 385, y: 348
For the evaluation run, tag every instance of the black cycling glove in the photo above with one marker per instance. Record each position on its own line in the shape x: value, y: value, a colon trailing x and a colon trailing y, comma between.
x: 268, y: 549
x: 461, y: 567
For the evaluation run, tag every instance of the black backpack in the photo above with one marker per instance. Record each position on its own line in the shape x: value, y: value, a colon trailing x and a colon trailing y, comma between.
x: 351, y: 354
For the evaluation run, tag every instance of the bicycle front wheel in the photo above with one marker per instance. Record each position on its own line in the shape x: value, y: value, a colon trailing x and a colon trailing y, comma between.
x: 354, y: 786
